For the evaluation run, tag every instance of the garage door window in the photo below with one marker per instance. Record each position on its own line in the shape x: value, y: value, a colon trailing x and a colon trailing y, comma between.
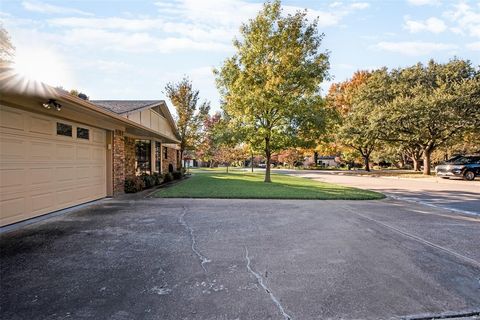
x: 83, y: 133
x: 64, y: 129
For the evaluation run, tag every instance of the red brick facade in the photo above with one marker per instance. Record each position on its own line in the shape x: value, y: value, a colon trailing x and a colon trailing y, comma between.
x: 129, y: 157
x: 171, y: 159
x: 124, y: 160
x: 118, y: 162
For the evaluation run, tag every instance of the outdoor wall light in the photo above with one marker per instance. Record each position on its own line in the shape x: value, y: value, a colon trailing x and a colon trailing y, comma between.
x: 51, y: 103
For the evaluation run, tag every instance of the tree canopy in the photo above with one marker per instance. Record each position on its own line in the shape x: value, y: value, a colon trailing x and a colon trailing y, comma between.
x: 189, y: 115
x: 414, y: 110
x: 7, y: 50
x: 271, y: 86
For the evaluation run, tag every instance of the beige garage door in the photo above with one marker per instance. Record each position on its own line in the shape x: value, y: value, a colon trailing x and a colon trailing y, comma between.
x: 47, y: 164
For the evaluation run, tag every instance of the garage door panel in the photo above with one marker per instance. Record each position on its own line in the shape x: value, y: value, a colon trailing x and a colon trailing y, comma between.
x: 43, y: 202
x: 65, y: 174
x: 65, y: 152
x: 83, y: 153
x: 12, y: 178
x: 11, y: 207
x: 98, y: 172
x: 66, y: 197
x: 12, y: 148
x: 84, y: 193
x: 98, y: 188
x: 41, y: 125
x: 12, y: 119
x: 84, y: 173
x: 41, y: 177
x: 42, y: 150
x: 98, y: 154
x: 42, y: 172
x: 99, y: 136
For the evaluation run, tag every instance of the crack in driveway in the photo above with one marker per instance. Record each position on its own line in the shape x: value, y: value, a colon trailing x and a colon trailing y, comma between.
x: 267, y: 290
x: 183, y: 222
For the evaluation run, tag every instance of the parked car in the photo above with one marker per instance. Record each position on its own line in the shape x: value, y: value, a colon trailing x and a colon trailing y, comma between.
x: 466, y: 167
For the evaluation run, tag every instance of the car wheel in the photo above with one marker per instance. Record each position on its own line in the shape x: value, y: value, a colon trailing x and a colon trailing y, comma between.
x: 469, y: 175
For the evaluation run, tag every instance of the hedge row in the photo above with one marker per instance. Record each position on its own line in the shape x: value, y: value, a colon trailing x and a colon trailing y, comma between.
x: 146, y: 181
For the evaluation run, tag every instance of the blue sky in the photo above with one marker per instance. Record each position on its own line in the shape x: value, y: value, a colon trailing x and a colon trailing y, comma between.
x: 131, y: 49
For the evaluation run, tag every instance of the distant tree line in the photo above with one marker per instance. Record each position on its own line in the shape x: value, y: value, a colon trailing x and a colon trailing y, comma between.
x: 408, y: 112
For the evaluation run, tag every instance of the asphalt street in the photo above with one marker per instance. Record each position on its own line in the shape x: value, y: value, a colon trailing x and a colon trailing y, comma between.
x: 455, y: 194
x: 243, y: 259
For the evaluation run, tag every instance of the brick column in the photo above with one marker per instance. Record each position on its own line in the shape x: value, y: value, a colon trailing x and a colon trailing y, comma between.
x: 118, y: 162
x: 130, y: 157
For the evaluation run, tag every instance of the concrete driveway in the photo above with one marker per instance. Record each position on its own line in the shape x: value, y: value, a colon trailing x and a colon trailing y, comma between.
x: 457, y: 195
x: 243, y: 259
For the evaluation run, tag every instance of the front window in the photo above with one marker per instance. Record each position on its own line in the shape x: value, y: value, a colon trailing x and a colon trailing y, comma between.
x: 165, y: 153
x: 158, y: 155
x: 143, y: 156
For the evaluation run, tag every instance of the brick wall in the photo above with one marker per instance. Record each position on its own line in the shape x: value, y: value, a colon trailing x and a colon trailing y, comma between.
x: 129, y: 157
x: 171, y: 159
x: 118, y: 162
x: 124, y: 160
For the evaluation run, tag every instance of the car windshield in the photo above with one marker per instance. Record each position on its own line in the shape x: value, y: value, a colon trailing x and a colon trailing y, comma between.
x: 465, y: 160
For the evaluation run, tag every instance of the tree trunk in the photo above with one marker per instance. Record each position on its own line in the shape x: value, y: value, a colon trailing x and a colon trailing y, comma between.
x: 426, y: 162
x: 181, y: 158
x: 269, y: 159
x: 315, y: 157
x: 367, y: 163
x: 227, y: 167
x: 416, y: 164
x: 251, y: 163
x: 402, y: 161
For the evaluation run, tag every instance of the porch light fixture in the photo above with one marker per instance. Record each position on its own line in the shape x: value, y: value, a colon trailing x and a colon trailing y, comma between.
x: 51, y: 103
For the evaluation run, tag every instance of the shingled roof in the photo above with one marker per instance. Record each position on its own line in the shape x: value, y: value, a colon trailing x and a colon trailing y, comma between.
x: 125, y: 106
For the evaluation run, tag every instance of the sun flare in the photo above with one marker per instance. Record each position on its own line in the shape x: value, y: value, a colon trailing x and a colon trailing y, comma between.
x: 41, y: 65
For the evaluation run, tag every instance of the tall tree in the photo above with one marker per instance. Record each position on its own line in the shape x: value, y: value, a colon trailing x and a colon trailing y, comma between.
x: 353, y: 128
x: 271, y: 86
x: 208, y: 147
x: 434, y: 105
x: 189, y: 115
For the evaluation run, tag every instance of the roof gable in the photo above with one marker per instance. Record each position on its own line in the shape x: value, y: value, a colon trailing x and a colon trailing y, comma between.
x: 127, y: 106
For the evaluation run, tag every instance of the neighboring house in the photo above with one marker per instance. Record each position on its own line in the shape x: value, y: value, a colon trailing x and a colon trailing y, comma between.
x: 57, y: 150
x: 323, y: 161
x: 327, y: 161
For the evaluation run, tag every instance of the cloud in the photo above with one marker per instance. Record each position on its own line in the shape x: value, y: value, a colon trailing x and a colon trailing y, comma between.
x: 207, y: 25
x: 42, y: 7
x: 135, y: 42
x: 413, y: 48
x: 432, y: 24
x: 423, y: 2
x: 465, y: 18
x: 474, y: 46
x: 231, y: 13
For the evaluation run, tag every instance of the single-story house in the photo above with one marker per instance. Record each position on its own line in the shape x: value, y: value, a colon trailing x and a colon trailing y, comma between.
x: 58, y: 151
x: 327, y: 161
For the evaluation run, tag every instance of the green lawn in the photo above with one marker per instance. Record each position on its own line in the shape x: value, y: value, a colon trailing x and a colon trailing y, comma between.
x: 247, y: 185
